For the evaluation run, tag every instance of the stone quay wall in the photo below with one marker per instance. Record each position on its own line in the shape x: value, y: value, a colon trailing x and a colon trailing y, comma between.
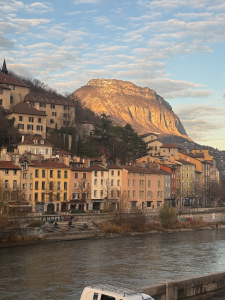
x: 185, y: 288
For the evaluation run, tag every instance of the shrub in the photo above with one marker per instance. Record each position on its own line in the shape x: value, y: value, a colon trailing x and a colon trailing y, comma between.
x: 168, y: 215
x: 35, y: 223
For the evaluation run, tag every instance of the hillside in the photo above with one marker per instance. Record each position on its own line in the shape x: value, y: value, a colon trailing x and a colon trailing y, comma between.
x: 126, y: 103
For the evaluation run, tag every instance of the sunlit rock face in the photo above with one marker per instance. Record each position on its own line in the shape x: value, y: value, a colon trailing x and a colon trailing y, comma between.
x: 126, y: 103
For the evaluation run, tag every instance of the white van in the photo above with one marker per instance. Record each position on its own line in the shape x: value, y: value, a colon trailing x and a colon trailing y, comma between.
x: 108, y: 292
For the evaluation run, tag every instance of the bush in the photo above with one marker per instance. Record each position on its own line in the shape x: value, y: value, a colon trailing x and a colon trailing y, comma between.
x: 168, y: 215
x: 35, y: 223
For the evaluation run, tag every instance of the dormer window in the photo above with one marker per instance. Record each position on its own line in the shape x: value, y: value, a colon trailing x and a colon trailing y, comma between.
x: 36, y: 141
x: 42, y: 141
x: 47, y: 99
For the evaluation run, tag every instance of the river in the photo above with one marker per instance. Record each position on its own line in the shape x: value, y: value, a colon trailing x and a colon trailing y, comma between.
x: 61, y: 270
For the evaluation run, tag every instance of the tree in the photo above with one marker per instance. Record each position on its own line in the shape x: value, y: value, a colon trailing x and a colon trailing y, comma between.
x: 73, y: 143
x: 67, y: 140
x: 82, y: 190
x: 168, y: 215
x: 102, y: 130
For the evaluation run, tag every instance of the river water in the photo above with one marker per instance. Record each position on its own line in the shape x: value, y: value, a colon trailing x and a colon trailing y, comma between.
x: 61, y: 270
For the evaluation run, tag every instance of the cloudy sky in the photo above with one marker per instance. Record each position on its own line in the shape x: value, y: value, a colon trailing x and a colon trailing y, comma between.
x: 175, y: 47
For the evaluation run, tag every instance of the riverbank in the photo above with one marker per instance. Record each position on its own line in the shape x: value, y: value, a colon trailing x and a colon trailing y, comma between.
x: 51, y: 238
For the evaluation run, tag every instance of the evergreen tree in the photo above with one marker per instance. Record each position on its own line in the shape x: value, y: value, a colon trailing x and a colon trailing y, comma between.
x: 79, y: 146
x: 67, y: 140
x: 73, y: 143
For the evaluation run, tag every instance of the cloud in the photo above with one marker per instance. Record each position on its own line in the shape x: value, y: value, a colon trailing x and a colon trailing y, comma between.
x: 86, y: 1
x: 38, y: 8
x: 193, y: 15
x: 101, y: 20
x: 151, y: 15
x: 73, y: 13
x: 13, y: 6
x: 217, y: 7
x: 6, y: 43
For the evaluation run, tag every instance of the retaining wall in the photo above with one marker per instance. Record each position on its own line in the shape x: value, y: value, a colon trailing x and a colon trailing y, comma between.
x: 185, y: 288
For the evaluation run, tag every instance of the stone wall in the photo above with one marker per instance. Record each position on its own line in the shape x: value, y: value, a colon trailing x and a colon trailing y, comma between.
x: 185, y: 288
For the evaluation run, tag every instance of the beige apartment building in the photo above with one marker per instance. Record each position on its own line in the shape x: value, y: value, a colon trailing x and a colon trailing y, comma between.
x: 35, y: 145
x: 12, y: 89
x: 59, y: 111
x: 28, y: 120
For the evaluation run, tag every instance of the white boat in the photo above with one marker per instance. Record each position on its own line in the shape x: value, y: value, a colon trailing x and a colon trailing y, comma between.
x: 109, y: 292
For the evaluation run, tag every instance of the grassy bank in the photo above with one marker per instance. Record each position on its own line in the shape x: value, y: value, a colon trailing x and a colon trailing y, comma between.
x: 21, y: 241
x: 125, y: 227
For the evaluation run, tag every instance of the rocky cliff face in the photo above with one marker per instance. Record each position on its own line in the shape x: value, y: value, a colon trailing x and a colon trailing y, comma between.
x: 128, y: 103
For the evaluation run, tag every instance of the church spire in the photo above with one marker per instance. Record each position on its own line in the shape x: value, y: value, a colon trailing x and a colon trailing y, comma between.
x: 4, y: 68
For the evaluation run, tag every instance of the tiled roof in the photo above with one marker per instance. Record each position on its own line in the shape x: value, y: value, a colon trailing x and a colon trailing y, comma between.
x: 98, y: 168
x: 62, y: 152
x: 185, y: 162
x: 12, y: 80
x: 114, y: 167
x: 8, y: 165
x: 24, y: 108
x: 81, y: 169
x: 45, y: 98
x: 136, y: 169
x: 49, y: 164
x: 29, y: 140
x: 2, y: 86
x: 169, y: 145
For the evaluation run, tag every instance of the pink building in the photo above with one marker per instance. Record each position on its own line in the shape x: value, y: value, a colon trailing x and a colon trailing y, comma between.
x: 144, y: 187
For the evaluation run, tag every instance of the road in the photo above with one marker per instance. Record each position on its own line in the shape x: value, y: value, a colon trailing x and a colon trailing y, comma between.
x: 218, y: 295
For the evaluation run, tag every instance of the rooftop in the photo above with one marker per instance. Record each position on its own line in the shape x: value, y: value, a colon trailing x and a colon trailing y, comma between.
x: 148, y: 170
x: 8, y: 165
x: 45, y: 98
x: 31, y: 140
x: 185, y: 162
x: 11, y: 80
x: 114, y: 167
x: 49, y: 164
x: 170, y: 145
x: 24, y: 108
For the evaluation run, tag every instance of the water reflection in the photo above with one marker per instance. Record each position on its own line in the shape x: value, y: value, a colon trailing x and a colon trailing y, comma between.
x: 61, y: 270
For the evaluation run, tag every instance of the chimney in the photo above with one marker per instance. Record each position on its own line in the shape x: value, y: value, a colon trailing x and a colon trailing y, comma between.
x: 22, y: 138
x: 66, y: 160
x: 118, y: 162
x: 61, y: 160
x: 3, y: 154
x: 16, y: 151
x: 86, y: 163
x: 104, y: 161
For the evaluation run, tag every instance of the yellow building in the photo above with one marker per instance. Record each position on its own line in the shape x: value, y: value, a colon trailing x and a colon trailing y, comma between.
x: 58, y: 110
x: 28, y: 120
x: 12, y: 89
x: 51, y: 186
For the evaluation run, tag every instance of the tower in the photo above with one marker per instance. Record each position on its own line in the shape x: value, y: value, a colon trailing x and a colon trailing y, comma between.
x: 4, y: 68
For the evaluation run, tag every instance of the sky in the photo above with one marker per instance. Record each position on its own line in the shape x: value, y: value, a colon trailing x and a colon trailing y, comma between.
x: 175, y: 47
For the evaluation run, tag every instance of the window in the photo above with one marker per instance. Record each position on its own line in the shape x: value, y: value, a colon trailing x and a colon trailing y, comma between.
x: 11, y: 99
x: 14, y: 87
x: 95, y: 182
x: 6, y: 184
x: 101, y: 181
x: 101, y: 193
x: 20, y: 126
x: 112, y: 173
x: 159, y: 194
x: 142, y: 183
x: 128, y: 194
x: 42, y: 104
x: 83, y: 185
x: 141, y: 194
x: 159, y: 183
x: 134, y: 194
x: 149, y: 203
x: 95, y: 193
x: 51, y: 173
x: 31, y: 119
x: 118, y: 182
x: 75, y: 185
x: 149, y: 183
x: 58, y: 174
x: 65, y: 186
x: 159, y: 203
x: 118, y: 173
x: 51, y: 185
x: 44, y: 112
x: 65, y: 107
x: 65, y: 174
x: 65, y: 196
x: 58, y: 185
x: 24, y: 175
x: 6, y: 172
x: 36, y: 197
x: 133, y: 204
x: 187, y: 168
x: 187, y: 175
x: 58, y: 196
x: 149, y: 194
x: 128, y: 183
x: 74, y: 195
x: 43, y: 197
x: 46, y: 151
x: 31, y: 175
x: 53, y: 106
x: 75, y: 175
x: 39, y: 128
x: 84, y: 175
x: 36, y: 173
x: 54, y: 114
x: 43, y: 173
x: 31, y: 186
x: 30, y: 197
x: 51, y: 121
x: 29, y: 127
x: 14, y: 184
x: 102, y: 174
x: 133, y: 174
x: 134, y: 183
x: 96, y: 173
x: 112, y: 182
x: 1, y: 102
x: 36, y: 185
x: 112, y: 194
x: 43, y: 185
x: 39, y: 120
x: 1, y: 91
x: 20, y: 118
x: 14, y: 172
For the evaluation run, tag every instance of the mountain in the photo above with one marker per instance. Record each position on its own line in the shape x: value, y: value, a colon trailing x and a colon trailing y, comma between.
x: 126, y: 102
